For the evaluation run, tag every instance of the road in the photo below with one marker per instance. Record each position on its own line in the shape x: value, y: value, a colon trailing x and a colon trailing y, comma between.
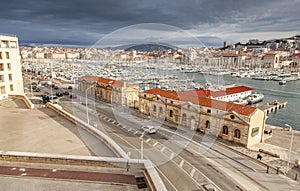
x: 180, y: 161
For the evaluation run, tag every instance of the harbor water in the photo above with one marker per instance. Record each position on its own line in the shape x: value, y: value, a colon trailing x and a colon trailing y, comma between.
x: 272, y: 91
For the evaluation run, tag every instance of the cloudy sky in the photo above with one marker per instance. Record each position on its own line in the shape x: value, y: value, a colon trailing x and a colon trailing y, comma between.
x: 84, y: 22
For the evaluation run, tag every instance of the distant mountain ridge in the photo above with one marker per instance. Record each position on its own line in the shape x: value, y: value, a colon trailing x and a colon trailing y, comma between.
x: 149, y: 48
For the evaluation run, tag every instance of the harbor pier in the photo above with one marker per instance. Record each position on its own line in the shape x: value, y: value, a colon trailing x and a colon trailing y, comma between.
x: 273, y: 106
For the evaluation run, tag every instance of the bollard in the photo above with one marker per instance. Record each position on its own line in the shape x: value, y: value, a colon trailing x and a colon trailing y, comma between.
x: 268, y: 169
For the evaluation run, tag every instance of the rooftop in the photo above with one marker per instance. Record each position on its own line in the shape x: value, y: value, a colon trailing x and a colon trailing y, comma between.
x: 42, y: 131
x: 203, y: 101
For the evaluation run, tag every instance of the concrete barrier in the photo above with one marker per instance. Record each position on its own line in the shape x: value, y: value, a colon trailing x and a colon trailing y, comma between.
x: 25, y: 99
x: 269, y: 153
x: 107, y: 164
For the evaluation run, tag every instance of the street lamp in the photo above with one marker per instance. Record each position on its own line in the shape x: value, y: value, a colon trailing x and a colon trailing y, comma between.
x: 142, y: 145
x: 86, y: 103
x: 291, y: 145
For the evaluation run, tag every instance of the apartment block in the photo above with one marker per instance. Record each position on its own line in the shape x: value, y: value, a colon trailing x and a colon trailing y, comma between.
x: 11, y: 82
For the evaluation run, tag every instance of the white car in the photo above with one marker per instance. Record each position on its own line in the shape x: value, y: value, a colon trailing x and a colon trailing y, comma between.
x: 149, y: 129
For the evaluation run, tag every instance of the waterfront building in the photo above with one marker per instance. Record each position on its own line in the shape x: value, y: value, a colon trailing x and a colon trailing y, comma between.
x: 228, y: 94
x: 39, y: 55
x: 296, y: 60
x: 60, y: 55
x: 233, y: 122
x: 233, y: 60
x: 109, y: 90
x: 271, y: 60
x: 11, y: 82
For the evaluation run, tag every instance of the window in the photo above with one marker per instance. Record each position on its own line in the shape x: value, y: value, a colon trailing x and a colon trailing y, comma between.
x: 2, y: 89
x: 232, y: 116
x: 1, y: 67
x: 154, y: 108
x: 7, y: 55
x: 0, y: 55
x: 184, y: 117
x: 225, y: 130
x: 145, y: 95
x: 207, y: 124
x: 160, y: 109
x: 8, y: 66
x: 1, y: 78
x: 171, y: 113
x: 237, y: 133
x: 13, y: 44
x: 11, y: 88
x: 157, y: 98
x: 208, y: 111
x: 171, y: 102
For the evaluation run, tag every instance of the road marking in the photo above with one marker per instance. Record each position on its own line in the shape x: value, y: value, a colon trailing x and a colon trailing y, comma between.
x: 172, y: 156
x: 193, y: 172
x: 148, y: 140
x: 124, y: 127
x: 155, y: 144
x: 135, y: 132
x: 181, y: 163
x: 162, y: 149
x: 129, y: 129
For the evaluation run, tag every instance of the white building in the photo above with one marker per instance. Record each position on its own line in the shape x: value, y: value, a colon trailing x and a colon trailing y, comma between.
x: 271, y: 60
x: 11, y: 82
x: 228, y: 94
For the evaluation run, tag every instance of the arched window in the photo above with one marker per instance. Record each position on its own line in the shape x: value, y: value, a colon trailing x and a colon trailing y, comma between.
x: 207, y: 124
x: 154, y: 108
x: 225, y: 130
x: 171, y: 113
x: 184, y: 117
x: 160, y: 110
x: 237, y: 133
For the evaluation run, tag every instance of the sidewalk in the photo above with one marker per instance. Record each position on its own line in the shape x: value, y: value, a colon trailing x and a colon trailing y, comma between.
x: 274, y: 150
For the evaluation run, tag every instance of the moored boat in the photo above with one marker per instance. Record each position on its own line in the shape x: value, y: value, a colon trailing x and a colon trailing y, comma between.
x: 282, y: 82
x: 255, y: 98
x: 241, y: 101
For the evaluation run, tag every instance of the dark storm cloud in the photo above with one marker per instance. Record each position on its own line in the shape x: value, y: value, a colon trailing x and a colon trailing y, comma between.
x: 83, y: 22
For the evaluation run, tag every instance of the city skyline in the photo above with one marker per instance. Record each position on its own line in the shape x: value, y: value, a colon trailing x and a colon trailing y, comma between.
x: 212, y: 22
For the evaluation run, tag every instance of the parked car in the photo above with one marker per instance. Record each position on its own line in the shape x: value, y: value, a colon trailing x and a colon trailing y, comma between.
x: 149, y: 129
x: 70, y: 87
x: 66, y: 92
x: 59, y: 94
x: 55, y: 87
x: 73, y: 96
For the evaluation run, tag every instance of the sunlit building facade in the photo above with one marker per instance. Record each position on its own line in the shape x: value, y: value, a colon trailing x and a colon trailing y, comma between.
x: 11, y: 82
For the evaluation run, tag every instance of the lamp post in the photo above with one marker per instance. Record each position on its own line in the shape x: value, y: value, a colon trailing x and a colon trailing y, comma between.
x: 142, y: 145
x: 291, y: 145
x: 86, y: 103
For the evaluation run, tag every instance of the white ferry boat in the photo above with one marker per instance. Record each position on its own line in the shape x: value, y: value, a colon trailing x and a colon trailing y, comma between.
x: 255, y: 98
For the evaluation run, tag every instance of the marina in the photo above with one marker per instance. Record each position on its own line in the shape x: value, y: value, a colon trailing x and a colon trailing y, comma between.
x: 157, y: 74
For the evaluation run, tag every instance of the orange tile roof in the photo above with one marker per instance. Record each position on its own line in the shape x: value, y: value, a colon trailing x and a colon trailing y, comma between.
x: 234, y: 55
x: 210, y: 93
x: 114, y: 83
x: 164, y: 93
x: 203, y: 101
x: 89, y: 78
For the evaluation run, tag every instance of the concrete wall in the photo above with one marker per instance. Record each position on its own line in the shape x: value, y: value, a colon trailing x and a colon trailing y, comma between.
x: 112, y: 165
